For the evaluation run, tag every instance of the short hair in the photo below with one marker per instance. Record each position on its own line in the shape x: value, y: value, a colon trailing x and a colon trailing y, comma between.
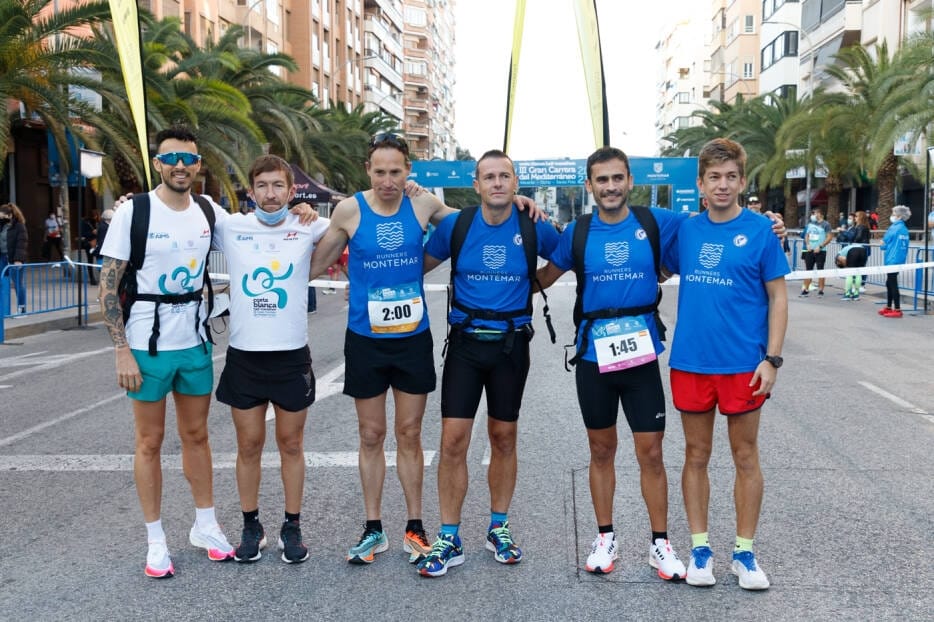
x: 719, y: 151
x: 271, y: 164
x: 107, y: 214
x: 902, y: 212
x: 605, y: 154
x: 493, y: 154
x: 177, y: 132
x: 387, y: 140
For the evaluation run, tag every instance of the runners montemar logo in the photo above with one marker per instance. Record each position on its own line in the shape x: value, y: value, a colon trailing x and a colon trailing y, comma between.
x: 389, y: 235
x: 494, y: 256
x: 710, y: 255
x: 616, y: 253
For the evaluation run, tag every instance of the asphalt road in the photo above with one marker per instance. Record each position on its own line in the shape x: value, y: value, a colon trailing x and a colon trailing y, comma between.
x: 845, y: 531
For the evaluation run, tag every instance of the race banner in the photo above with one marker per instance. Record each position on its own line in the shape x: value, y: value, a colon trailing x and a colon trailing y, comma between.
x: 588, y: 35
x: 129, y: 47
x: 514, y: 68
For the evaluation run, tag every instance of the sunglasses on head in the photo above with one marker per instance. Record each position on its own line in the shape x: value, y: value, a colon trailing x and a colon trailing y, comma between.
x: 389, y: 139
x: 172, y: 158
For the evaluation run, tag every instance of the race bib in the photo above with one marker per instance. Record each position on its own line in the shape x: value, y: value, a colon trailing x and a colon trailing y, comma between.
x: 395, y: 309
x: 621, y: 343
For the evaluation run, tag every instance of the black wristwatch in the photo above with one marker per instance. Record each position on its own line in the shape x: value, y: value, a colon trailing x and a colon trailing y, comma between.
x: 774, y: 361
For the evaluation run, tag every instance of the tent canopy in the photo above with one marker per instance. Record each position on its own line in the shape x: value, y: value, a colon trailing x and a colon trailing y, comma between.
x: 310, y: 191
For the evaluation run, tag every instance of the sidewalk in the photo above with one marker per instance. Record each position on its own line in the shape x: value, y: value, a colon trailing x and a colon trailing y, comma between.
x: 37, y: 323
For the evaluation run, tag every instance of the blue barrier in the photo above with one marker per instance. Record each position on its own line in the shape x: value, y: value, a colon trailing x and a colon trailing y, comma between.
x: 49, y: 287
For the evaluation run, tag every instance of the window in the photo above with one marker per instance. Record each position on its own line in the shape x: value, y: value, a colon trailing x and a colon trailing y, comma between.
x: 784, y: 45
x: 749, y: 25
x: 684, y: 97
x: 748, y: 68
x: 770, y: 6
x: 684, y: 73
x: 682, y: 122
x: 415, y: 16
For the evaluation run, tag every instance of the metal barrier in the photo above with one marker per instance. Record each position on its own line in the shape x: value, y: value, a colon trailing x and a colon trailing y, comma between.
x: 910, y: 281
x: 48, y: 287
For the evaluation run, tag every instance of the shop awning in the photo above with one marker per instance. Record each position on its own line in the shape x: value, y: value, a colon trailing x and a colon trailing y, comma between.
x: 818, y: 197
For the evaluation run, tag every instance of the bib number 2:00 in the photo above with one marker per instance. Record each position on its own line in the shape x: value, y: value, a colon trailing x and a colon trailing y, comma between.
x: 397, y: 312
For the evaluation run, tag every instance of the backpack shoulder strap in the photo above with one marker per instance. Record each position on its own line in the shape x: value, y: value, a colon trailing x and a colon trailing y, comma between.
x: 578, y: 248
x: 530, y: 243
x: 208, y: 211
x: 139, y: 230
x: 459, y: 234
x: 647, y: 220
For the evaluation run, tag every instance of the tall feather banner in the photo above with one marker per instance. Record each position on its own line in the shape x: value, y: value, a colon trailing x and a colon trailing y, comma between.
x: 514, y: 68
x: 588, y: 35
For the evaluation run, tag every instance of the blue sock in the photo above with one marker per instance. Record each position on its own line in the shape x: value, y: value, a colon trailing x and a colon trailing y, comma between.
x: 450, y: 530
x: 497, y: 518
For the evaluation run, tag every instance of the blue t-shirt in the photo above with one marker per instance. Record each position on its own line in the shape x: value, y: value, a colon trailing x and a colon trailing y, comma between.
x: 492, y: 272
x: 895, y: 243
x: 385, y: 266
x: 723, y: 305
x: 619, y: 269
x: 815, y: 234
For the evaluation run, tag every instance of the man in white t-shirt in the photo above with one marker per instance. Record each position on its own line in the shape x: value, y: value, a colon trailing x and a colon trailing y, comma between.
x: 177, y: 245
x: 268, y: 256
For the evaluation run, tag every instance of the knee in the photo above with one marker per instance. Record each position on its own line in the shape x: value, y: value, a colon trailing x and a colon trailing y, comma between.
x: 454, y: 446
x: 372, y: 437
x: 602, y: 453
x: 409, y: 436
x: 149, y: 445
x: 746, y: 459
x: 291, y: 446
x: 697, y: 455
x: 650, y: 457
x: 503, y: 442
x: 249, y: 448
x: 194, y: 437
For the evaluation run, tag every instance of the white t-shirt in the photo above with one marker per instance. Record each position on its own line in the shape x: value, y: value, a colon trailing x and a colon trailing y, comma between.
x: 174, y: 264
x: 269, y: 269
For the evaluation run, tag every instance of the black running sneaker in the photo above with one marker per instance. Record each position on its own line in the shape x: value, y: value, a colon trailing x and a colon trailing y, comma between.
x: 293, y: 549
x: 252, y: 542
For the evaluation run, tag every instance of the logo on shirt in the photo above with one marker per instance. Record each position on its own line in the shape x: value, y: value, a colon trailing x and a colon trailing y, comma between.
x: 206, y: 233
x: 389, y: 235
x: 616, y: 253
x: 243, y: 238
x: 263, y: 280
x: 494, y: 257
x: 710, y: 255
x: 158, y: 235
x: 640, y: 234
x: 517, y: 239
x: 291, y: 235
x: 181, y: 278
x: 740, y: 240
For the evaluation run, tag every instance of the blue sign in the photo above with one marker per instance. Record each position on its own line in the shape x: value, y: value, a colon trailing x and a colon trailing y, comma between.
x: 678, y: 173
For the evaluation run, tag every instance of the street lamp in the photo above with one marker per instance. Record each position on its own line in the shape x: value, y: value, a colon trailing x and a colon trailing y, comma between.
x: 249, y: 26
x: 928, y: 154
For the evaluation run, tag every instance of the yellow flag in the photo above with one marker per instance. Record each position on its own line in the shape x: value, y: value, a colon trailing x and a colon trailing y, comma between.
x: 514, y: 68
x: 126, y: 30
x: 588, y: 35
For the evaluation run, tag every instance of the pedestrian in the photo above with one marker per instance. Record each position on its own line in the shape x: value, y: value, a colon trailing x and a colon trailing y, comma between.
x: 268, y: 254
x: 13, y: 245
x: 53, y: 236
x: 754, y: 204
x: 618, y: 301
x: 102, y: 227
x: 817, y: 235
x: 88, y: 242
x: 177, y: 246
x: 851, y: 256
x: 732, y: 316
x: 895, y: 244
x: 487, y: 350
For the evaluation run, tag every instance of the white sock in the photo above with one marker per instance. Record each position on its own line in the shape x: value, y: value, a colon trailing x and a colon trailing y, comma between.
x: 204, y: 517
x: 154, y: 531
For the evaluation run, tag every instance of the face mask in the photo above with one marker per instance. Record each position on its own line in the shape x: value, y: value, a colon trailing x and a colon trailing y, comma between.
x: 849, y: 221
x: 271, y: 218
x: 813, y: 218
x: 894, y: 219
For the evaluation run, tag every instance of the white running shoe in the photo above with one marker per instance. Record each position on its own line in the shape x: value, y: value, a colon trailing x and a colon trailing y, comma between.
x: 751, y: 576
x: 603, y: 554
x: 213, y: 540
x: 158, y: 563
x: 665, y: 560
x: 700, y: 570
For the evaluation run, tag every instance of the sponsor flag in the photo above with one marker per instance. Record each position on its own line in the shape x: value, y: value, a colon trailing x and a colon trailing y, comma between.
x: 588, y: 35
x: 514, y: 68
x: 129, y: 47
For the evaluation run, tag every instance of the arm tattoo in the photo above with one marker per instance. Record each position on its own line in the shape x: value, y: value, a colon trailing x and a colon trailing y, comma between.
x: 111, y: 272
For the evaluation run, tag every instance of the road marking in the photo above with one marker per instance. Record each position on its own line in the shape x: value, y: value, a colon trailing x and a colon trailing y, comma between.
x: 35, y: 362
x: 42, y: 426
x: 221, y: 460
x: 894, y: 399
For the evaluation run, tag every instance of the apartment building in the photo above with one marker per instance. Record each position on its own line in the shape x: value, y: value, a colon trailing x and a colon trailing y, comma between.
x: 733, y: 68
x: 681, y: 79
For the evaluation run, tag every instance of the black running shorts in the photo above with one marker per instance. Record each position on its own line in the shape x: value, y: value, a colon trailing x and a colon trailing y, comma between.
x: 373, y: 365
x: 252, y: 379
x: 638, y: 389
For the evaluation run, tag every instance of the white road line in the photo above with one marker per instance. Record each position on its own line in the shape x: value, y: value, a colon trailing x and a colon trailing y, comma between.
x: 42, y: 426
x: 894, y: 398
x: 45, y: 362
x: 929, y: 418
x: 124, y: 462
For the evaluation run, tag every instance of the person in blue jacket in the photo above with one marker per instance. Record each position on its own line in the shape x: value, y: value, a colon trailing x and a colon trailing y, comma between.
x: 895, y: 245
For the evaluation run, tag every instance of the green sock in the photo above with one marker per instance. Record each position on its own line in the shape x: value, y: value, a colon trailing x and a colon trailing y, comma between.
x: 699, y: 539
x: 743, y: 544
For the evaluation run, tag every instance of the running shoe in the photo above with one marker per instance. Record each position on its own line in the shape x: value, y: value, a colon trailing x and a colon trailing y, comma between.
x: 290, y: 543
x: 602, y: 554
x: 700, y: 570
x: 416, y: 545
x: 884, y: 311
x: 252, y: 542
x: 499, y: 540
x: 751, y: 576
x: 158, y: 563
x: 820, y: 294
x: 663, y: 558
x: 445, y: 552
x: 371, y: 543
x: 803, y: 294
x: 213, y: 540
x: 893, y: 313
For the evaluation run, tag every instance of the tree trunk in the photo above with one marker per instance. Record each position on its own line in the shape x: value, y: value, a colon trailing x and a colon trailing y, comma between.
x: 885, y: 183
x: 791, y: 206
x: 833, y: 187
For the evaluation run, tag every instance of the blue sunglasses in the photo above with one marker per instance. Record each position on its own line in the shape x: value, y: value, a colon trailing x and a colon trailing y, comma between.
x: 174, y: 157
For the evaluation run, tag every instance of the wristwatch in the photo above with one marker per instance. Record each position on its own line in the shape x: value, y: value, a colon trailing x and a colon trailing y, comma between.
x: 774, y: 361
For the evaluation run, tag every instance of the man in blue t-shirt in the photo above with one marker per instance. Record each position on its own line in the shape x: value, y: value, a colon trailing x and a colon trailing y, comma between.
x: 817, y: 235
x: 732, y: 315
x: 488, y: 348
x: 618, y: 347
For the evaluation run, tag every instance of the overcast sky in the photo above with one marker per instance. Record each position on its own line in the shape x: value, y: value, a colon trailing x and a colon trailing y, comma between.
x: 551, y: 111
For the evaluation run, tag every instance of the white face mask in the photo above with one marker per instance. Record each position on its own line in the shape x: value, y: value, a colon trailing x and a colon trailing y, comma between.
x: 894, y: 219
x: 849, y: 221
x: 813, y: 218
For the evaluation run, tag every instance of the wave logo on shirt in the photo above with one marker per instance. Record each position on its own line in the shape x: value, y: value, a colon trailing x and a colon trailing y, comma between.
x: 182, y: 278
x: 389, y: 235
x: 710, y: 255
x: 494, y: 257
x: 616, y: 253
x: 264, y: 281
x: 740, y: 240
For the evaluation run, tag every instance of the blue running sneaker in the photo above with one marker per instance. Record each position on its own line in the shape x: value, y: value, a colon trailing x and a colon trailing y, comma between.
x: 371, y: 543
x: 445, y: 552
x: 751, y: 576
x: 499, y: 540
x: 700, y: 570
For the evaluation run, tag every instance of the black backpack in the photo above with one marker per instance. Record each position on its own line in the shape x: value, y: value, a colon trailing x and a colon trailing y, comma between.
x: 578, y: 246
x: 128, y: 289
x: 529, y: 244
